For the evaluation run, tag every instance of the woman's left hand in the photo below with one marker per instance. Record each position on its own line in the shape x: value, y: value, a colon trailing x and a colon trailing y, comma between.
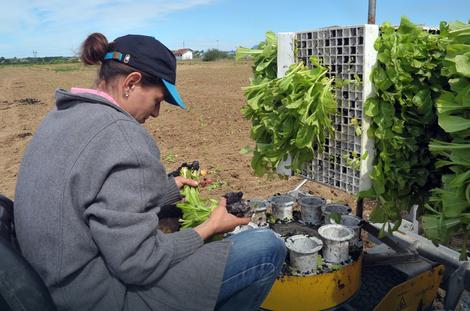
x: 181, y: 181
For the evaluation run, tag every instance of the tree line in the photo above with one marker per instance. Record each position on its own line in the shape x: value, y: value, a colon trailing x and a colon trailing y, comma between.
x: 38, y: 60
x: 208, y: 55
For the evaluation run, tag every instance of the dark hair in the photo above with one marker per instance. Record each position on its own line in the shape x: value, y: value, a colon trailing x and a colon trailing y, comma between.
x: 92, y: 52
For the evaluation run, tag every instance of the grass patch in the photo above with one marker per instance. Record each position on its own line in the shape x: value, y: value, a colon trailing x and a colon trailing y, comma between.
x: 170, y: 157
x: 62, y: 67
x: 66, y: 68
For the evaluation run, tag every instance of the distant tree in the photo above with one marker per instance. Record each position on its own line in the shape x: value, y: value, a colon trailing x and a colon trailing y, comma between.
x: 214, y: 54
x: 198, y: 54
x: 39, y: 60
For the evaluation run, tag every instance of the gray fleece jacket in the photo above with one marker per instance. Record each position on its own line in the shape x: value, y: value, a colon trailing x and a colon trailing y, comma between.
x: 88, y: 192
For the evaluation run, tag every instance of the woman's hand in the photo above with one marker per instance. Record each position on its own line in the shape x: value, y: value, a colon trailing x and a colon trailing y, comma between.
x: 220, y: 221
x: 181, y: 181
x: 205, y: 182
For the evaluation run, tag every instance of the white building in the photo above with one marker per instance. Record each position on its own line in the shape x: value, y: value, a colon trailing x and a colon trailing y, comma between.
x: 183, y: 54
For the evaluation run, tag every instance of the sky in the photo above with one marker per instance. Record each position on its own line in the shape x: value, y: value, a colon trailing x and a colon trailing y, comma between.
x: 57, y: 27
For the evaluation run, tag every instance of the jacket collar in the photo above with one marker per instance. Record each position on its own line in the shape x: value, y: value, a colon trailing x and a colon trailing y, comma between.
x: 65, y: 100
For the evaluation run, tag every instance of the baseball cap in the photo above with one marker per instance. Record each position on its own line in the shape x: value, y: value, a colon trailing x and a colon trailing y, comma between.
x: 149, y: 55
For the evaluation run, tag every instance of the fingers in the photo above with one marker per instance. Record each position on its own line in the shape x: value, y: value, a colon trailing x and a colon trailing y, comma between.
x: 223, y: 221
x: 180, y: 181
x: 223, y: 202
x: 190, y: 182
x: 244, y: 220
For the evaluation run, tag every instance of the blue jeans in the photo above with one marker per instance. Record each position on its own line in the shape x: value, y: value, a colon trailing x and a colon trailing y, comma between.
x: 254, y: 261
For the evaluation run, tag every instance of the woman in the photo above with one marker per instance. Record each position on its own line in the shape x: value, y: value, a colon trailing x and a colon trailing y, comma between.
x: 91, y: 184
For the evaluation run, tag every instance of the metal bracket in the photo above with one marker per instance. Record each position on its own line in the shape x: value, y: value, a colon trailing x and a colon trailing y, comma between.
x: 456, y: 286
x: 303, y: 182
x: 295, y: 192
x: 414, y: 212
x: 389, y: 240
x: 389, y: 259
x: 411, y: 224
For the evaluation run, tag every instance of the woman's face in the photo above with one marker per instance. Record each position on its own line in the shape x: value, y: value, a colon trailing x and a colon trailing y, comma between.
x: 143, y: 102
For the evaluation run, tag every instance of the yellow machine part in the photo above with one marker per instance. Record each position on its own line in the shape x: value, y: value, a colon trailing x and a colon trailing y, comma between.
x: 414, y: 294
x: 316, y: 292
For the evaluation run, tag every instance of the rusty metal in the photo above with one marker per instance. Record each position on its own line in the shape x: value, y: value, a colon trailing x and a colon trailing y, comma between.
x: 371, y: 14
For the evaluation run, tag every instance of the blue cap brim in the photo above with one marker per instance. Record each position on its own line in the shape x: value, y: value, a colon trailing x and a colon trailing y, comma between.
x: 173, y: 97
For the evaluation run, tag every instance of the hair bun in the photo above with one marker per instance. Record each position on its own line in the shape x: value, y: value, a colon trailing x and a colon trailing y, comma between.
x: 93, y: 49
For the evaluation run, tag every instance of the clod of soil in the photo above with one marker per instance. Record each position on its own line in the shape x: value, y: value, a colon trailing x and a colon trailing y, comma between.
x: 24, y: 135
x: 233, y: 197
x: 287, y: 229
x: 240, y: 209
x: 28, y: 101
x: 236, y: 206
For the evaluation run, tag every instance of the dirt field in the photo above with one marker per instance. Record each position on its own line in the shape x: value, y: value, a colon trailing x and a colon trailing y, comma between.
x: 213, y: 131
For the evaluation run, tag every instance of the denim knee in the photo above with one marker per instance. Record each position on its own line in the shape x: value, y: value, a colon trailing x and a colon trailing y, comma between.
x: 273, y: 245
x: 256, y: 257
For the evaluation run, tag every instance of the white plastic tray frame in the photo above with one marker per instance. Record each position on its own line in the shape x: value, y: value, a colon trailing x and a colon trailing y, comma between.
x: 285, y: 58
x: 349, y: 53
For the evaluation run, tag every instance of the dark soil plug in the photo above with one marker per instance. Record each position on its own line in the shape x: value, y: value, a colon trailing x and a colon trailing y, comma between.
x: 236, y: 206
x: 28, y: 101
x: 193, y: 166
x: 233, y: 197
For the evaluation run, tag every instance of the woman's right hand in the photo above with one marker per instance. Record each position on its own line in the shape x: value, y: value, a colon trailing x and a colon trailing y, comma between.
x: 220, y: 221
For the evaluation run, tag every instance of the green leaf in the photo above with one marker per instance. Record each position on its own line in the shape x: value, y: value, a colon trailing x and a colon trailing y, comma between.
x: 304, y: 137
x: 246, y: 149
x: 265, y: 58
x: 438, y: 228
x: 382, y: 232
x: 462, y: 65
x: 378, y: 215
x: 290, y: 115
x: 242, y: 52
x: 369, y: 193
x: 452, y: 124
x: 397, y: 225
x: 336, y: 217
x: 371, y: 108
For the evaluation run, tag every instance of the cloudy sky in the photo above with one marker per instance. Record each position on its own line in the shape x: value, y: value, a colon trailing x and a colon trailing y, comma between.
x: 55, y: 27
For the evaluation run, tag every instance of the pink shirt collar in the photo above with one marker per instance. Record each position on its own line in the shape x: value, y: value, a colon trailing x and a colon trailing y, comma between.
x: 78, y: 90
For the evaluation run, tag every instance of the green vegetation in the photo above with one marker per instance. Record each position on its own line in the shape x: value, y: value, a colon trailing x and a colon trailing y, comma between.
x: 420, y: 120
x: 170, y: 157
x: 265, y: 58
x: 215, y: 185
x: 195, y: 209
x: 419, y: 116
x: 214, y: 54
x: 66, y: 68
x: 407, y: 80
x: 450, y: 204
x: 290, y: 115
x: 38, y: 60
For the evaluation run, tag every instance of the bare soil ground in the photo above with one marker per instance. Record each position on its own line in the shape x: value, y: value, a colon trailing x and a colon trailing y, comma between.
x: 213, y: 131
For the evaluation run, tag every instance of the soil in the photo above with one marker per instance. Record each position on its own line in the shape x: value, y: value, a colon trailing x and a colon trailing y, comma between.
x: 213, y: 130
x: 236, y: 206
x: 240, y: 209
x: 287, y: 229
